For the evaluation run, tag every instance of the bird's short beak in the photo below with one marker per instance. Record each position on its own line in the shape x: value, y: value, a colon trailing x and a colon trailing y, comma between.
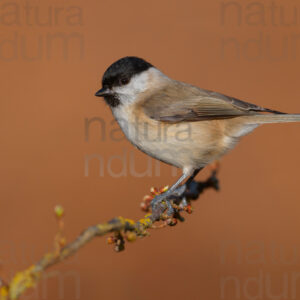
x: 103, y: 92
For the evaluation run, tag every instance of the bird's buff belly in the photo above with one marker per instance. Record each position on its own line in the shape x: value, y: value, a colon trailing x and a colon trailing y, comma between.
x: 184, y: 145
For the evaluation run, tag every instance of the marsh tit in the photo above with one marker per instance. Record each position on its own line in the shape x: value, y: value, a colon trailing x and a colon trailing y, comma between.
x: 175, y: 122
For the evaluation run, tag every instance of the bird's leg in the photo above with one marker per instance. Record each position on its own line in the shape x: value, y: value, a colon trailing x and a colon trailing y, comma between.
x: 192, y: 177
x: 174, y: 190
x: 181, y: 189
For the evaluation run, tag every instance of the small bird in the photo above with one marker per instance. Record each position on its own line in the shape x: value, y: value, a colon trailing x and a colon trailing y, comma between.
x: 178, y: 123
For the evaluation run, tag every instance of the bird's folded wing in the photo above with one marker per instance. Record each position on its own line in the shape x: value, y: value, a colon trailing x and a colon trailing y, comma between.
x: 189, y: 103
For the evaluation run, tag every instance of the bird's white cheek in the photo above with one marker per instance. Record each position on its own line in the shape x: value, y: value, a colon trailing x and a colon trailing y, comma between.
x: 129, y: 92
x: 139, y: 83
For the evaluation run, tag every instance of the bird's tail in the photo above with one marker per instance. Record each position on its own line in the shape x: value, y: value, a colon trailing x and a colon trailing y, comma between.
x: 272, y: 118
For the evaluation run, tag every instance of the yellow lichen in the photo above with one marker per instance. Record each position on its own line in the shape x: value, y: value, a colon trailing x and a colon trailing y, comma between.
x: 3, y: 293
x: 22, y: 281
x: 131, y: 222
x: 146, y: 222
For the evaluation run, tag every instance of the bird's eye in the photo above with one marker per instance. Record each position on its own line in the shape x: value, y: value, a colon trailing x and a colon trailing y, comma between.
x: 124, y: 81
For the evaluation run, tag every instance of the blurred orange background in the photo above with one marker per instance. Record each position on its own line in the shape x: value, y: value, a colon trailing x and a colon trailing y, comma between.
x: 239, y: 243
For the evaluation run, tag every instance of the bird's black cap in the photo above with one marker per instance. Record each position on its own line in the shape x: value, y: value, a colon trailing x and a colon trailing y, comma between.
x: 121, y: 71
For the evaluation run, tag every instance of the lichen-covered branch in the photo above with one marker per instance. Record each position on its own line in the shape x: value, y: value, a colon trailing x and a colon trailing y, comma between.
x: 122, y: 229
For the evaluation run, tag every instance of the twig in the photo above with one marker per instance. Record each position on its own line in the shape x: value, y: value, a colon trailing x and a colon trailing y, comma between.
x: 123, y: 229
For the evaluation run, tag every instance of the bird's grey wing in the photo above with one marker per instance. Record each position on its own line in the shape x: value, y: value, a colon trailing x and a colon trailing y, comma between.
x: 189, y: 103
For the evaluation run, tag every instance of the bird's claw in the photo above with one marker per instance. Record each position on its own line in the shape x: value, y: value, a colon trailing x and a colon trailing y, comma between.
x: 167, y: 197
x: 157, y: 207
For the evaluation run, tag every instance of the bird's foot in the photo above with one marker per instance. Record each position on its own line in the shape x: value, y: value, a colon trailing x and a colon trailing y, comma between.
x: 169, y: 203
x: 167, y: 198
x: 161, y: 203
